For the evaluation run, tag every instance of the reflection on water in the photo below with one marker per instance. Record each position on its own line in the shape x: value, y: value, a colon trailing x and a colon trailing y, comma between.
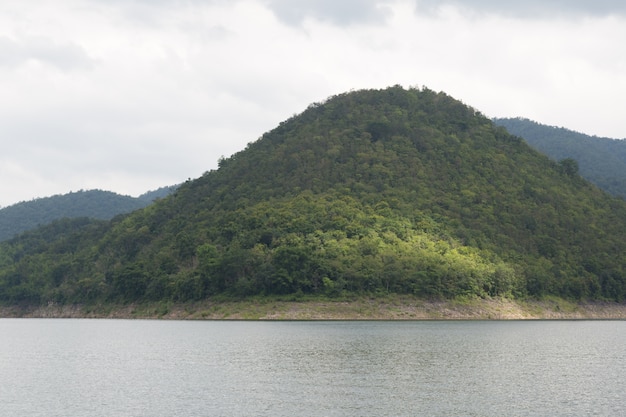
x: 164, y: 368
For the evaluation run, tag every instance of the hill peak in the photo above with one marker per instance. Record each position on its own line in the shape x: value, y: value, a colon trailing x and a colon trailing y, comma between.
x: 393, y: 190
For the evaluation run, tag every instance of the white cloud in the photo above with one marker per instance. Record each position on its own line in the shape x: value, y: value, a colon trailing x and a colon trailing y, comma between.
x: 130, y: 96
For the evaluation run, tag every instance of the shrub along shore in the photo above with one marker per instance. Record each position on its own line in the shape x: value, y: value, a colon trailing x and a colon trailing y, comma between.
x: 364, y: 308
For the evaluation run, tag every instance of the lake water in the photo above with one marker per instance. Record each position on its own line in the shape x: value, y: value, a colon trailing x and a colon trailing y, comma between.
x: 112, y: 368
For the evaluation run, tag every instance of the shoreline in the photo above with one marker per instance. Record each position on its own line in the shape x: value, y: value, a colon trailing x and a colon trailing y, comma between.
x: 383, y: 308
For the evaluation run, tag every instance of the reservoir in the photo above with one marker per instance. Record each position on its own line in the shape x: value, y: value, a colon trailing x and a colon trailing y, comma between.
x: 81, y: 367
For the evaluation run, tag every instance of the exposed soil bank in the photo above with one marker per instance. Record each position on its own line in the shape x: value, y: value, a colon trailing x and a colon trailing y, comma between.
x: 388, y: 308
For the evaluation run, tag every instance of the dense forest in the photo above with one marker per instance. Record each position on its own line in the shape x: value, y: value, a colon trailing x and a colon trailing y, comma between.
x: 601, y: 160
x: 96, y: 204
x: 369, y: 192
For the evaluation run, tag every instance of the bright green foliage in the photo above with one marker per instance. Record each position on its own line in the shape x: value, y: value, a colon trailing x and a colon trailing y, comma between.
x: 375, y: 191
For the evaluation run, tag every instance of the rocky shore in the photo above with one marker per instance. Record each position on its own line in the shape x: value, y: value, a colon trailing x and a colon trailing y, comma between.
x: 386, y: 308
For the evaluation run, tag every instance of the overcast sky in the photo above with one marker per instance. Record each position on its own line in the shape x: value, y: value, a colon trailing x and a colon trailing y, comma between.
x: 132, y: 95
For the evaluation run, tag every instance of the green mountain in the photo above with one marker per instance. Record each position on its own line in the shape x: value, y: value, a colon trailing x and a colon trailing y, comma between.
x: 601, y: 160
x: 95, y: 204
x: 374, y: 191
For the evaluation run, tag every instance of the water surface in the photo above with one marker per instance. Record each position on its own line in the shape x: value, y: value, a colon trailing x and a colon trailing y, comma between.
x: 73, y: 367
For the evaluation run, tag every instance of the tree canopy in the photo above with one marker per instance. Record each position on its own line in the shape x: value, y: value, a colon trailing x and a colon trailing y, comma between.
x: 373, y: 191
x: 95, y: 204
x: 601, y: 160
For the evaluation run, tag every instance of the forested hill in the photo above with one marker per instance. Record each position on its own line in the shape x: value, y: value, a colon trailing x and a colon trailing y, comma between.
x: 373, y: 191
x: 95, y: 204
x: 601, y: 160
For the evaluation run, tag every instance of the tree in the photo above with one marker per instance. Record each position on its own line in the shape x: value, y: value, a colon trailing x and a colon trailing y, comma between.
x: 569, y: 167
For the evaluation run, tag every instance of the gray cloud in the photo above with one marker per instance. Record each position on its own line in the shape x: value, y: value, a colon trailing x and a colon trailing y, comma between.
x: 65, y: 57
x: 172, y: 85
x: 341, y: 13
x: 532, y: 8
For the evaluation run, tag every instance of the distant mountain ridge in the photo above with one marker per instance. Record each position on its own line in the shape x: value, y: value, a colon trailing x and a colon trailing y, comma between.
x: 94, y: 204
x: 601, y: 160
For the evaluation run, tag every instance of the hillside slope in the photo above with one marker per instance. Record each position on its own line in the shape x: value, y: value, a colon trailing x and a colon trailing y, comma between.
x: 374, y: 191
x: 95, y: 204
x: 601, y: 160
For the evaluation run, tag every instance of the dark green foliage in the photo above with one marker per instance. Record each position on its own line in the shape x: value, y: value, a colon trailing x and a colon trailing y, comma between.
x: 569, y: 166
x: 95, y: 204
x: 373, y: 191
x: 150, y: 196
x: 602, y: 161
x: 45, y: 264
